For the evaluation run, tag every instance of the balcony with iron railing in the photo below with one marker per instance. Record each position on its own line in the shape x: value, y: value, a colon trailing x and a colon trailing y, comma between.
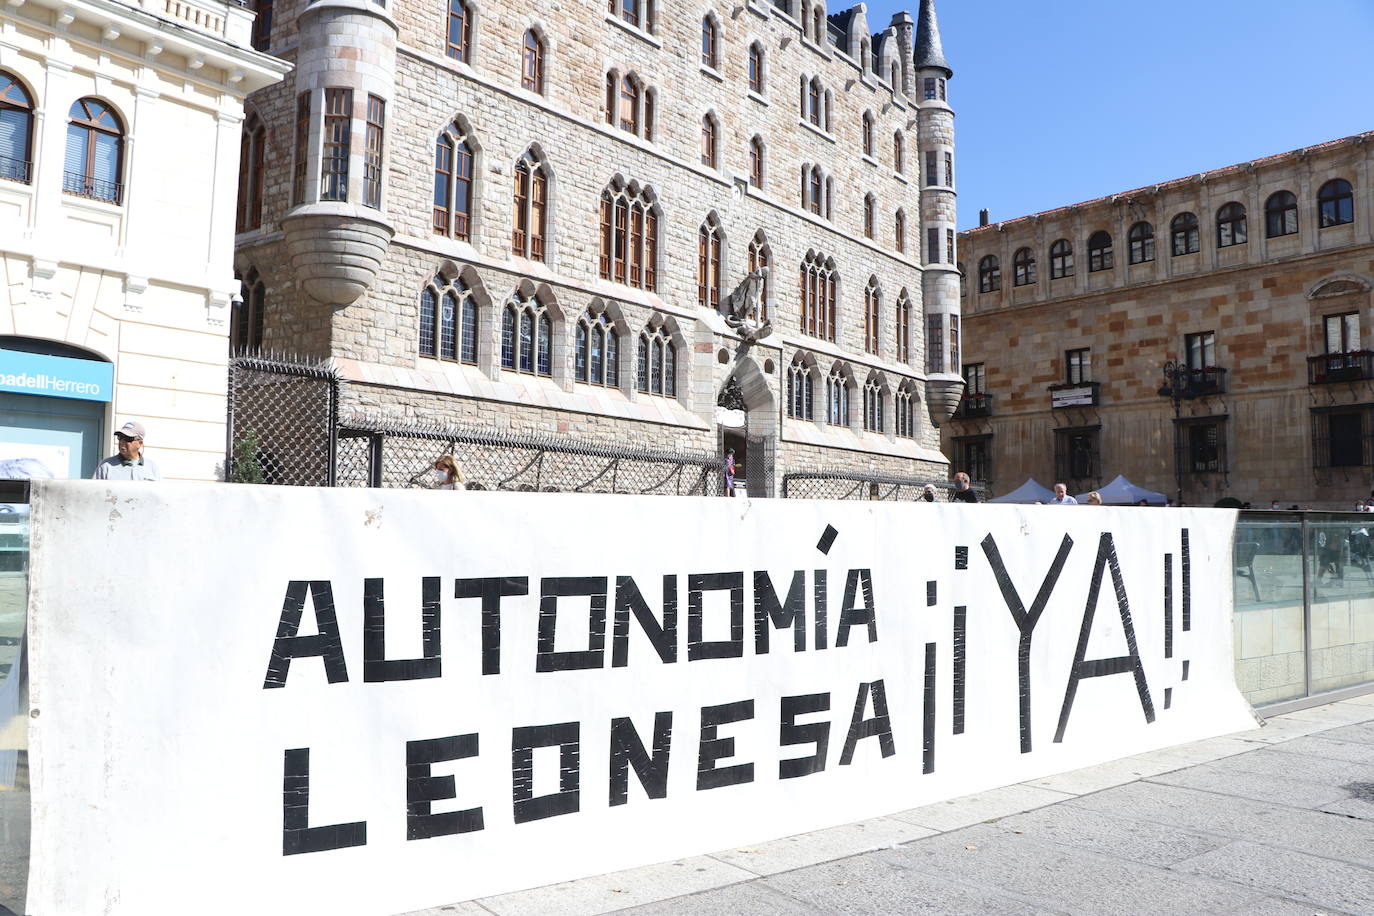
x: 972, y: 405
x: 80, y: 184
x: 1205, y: 381
x: 1351, y: 366
x: 20, y: 170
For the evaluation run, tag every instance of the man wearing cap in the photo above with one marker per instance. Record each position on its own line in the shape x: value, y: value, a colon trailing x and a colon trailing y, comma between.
x: 129, y: 464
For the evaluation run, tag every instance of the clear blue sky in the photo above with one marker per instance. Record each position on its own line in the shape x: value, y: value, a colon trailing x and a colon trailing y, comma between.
x: 1068, y: 100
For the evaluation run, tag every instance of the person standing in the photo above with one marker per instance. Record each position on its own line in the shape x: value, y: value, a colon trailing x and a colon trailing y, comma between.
x: 963, y: 491
x: 1062, y: 497
x: 1094, y: 498
x: 130, y: 463
x: 448, y: 475
x: 729, y: 472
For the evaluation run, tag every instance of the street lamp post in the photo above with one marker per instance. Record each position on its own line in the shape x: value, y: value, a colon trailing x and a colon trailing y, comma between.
x: 1178, y: 387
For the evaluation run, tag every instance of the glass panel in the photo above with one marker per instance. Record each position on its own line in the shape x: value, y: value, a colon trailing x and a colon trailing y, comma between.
x: 1342, y: 596
x: 596, y: 355
x: 526, y: 341
x: 469, y: 354
x: 14, y: 751
x: 580, y: 354
x: 612, y: 359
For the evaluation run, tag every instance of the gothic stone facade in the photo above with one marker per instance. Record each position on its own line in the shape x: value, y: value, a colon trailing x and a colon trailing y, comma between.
x: 742, y: 135
x: 1256, y: 278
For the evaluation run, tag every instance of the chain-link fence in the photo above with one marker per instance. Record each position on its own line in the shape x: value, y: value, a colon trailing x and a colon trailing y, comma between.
x: 847, y: 485
x: 373, y: 454
x: 282, y: 421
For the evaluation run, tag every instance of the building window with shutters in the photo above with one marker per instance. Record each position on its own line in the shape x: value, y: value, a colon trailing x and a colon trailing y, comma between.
x: 529, y: 225
x: 1077, y: 455
x: 818, y: 295
x: 453, y: 187
x: 1341, y: 437
x: 338, y: 124
x: 95, y: 152
x: 1204, y: 444
x: 372, y: 153
x: 252, y: 160
x: 973, y: 456
x: 248, y: 319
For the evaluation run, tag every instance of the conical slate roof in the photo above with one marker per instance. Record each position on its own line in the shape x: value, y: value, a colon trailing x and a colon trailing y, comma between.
x: 929, y: 52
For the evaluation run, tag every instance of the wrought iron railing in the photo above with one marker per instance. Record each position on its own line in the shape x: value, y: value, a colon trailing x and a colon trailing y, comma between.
x: 83, y: 185
x: 16, y: 169
x: 974, y: 405
x: 1353, y: 366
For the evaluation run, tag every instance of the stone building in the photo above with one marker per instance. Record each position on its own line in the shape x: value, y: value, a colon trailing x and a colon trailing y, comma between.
x: 538, y: 219
x: 1253, y: 281
x: 119, y: 144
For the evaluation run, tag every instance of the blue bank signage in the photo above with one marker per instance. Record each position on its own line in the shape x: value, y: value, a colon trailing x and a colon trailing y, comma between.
x: 56, y: 376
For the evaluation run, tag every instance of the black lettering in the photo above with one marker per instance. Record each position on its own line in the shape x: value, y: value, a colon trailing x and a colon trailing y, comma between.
x: 376, y: 666
x: 422, y: 788
x: 860, y: 728
x: 699, y: 648
x: 814, y: 733
x: 663, y: 637
x: 326, y: 643
x: 491, y: 591
x: 859, y: 581
x: 1025, y: 621
x: 960, y: 665
x: 767, y: 609
x: 1105, y: 667
x: 928, y: 714
x: 713, y: 748
x: 818, y: 596
x: 567, y: 799
x: 297, y: 836
x: 594, y: 656
x: 628, y: 751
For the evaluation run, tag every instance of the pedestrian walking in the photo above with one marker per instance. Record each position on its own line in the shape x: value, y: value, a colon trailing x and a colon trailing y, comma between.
x: 447, y: 474
x: 729, y: 472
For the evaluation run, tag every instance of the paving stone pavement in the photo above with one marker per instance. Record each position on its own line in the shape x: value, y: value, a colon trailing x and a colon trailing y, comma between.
x: 1278, y: 821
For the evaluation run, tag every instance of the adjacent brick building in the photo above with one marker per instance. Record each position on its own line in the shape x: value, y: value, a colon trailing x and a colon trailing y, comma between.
x: 530, y: 219
x: 1256, y: 279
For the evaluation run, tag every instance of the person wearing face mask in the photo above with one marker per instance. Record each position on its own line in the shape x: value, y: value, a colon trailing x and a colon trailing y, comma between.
x: 928, y: 493
x: 447, y: 474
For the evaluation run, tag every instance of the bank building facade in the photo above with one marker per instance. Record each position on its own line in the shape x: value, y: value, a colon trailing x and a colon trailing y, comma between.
x: 687, y: 228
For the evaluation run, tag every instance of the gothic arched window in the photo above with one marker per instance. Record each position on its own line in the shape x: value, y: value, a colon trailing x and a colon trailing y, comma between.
x: 526, y: 337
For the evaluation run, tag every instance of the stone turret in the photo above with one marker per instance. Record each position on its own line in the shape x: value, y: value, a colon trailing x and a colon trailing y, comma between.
x: 336, y: 232
x: 940, y: 279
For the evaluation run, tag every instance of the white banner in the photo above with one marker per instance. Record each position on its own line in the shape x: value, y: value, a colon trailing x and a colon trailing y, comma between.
x: 284, y: 700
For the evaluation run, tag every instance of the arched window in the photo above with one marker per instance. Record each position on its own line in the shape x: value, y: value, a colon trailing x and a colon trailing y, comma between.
x: 532, y: 63
x: 629, y: 236
x: 95, y: 152
x: 526, y: 337
x: 252, y: 156
x: 248, y: 318
x: 1061, y: 260
x: 872, y: 315
x: 709, y: 42
x: 638, y: 13
x: 453, y: 201
x: 647, y: 121
x: 1184, y: 234
x: 709, y: 241
x: 800, y: 390
x: 989, y: 274
x: 459, y: 42
x: 899, y: 231
x: 16, y: 130
x: 596, y: 357
x: 898, y: 153
x: 870, y: 215
x: 1142, y: 243
x: 837, y: 394
x: 1231, y: 225
x: 815, y: 102
x: 448, y: 320
x: 761, y: 258
x: 1023, y: 267
x: 904, y: 411
x: 867, y: 131
x: 818, y: 281
x: 756, y: 160
x: 656, y: 362
x: 873, y: 404
x: 629, y: 104
x: 816, y: 190
x: 709, y: 135
x: 1100, y: 253
x: 1280, y: 214
x: 1335, y: 204
x: 756, y: 76
x: 902, y: 320
x: 529, y: 227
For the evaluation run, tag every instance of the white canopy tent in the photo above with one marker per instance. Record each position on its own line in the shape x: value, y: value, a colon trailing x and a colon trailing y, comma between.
x: 1032, y: 491
x: 1121, y: 492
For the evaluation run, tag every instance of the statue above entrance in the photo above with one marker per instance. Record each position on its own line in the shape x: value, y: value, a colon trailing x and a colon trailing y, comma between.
x: 744, y: 308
